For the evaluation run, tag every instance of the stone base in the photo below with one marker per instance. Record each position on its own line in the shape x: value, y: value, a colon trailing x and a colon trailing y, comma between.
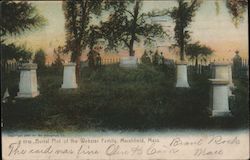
x: 67, y: 86
x: 69, y: 91
x: 182, y: 80
x: 128, y: 62
x: 221, y: 113
x: 180, y: 84
x: 27, y: 95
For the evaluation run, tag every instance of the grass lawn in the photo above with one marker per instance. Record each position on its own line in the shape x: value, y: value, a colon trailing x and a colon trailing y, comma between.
x: 120, y: 99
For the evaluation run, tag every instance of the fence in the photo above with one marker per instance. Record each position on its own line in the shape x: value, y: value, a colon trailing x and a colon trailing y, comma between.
x: 110, y: 60
x: 238, y: 70
x: 10, y: 66
x: 203, y: 67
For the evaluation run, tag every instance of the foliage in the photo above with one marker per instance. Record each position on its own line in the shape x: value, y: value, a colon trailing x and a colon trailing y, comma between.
x: 240, y: 102
x: 183, y: 16
x: 127, y: 25
x: 40, y: 59
x: 17, y: 17
x: 145, y: 59
x: 94, y: 35
x: 94, y: 59
x: 236, y: 9
x: 78, y: 15
x: 150, y: 58
x: 10, y: 51
x: 58, y: 52
x: 196, y: 51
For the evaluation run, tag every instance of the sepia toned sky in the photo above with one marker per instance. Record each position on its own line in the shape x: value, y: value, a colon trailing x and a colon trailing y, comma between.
x: 210, y: 28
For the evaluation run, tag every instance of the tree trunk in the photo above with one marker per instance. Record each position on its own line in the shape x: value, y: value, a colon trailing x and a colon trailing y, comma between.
x: 76, y: 57
x: 78, y: 69
x: 133, y: 29
x: 131, y: 48
x: 182, y: 53
x: 196, y: 61
x: 196, y: 64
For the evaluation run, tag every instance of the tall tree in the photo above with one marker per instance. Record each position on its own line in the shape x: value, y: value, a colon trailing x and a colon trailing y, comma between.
x: 17, y: 17
x: 58, y: 53
x: 183, y: 16
x: 127, y: 25
x: 78, y: 15
x: 196, y: 51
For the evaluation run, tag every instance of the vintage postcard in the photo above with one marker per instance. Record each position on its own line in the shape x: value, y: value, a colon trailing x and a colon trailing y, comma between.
x: 124, y: 79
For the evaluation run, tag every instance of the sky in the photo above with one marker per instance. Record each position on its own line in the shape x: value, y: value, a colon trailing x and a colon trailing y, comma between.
x: 214, y: 30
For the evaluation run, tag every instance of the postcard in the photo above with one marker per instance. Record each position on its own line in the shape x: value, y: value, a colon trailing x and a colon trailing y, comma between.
x: 124, y: 79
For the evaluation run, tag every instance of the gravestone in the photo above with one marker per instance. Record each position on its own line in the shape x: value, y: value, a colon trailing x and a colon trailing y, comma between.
x: 182, y: 80
x: 219, y: 103
x: 128, y: 62
x: 28, y: 81
x: 69, y: 76
x: 224, y: 71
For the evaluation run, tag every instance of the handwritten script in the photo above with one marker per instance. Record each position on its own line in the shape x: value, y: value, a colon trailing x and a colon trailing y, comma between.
x: 113, y: 147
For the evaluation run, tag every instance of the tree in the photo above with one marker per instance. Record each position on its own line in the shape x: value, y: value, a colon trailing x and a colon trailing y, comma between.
x: 156, y: 58
x: 40, y: 59
x: 60, y: 50
x: 77, y: 16
x: 17, y: 17
x: 183, y: 16
x: 127, y: 25
x: 236, y: 9
x: 10, y: 52
x: 196, y: 51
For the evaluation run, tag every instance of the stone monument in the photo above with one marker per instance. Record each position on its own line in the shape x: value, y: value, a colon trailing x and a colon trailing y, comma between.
x: 128, y: 62
x: 28, y: 81
x: 182, y: 80
x: 219, y: 105
x: 224, y: 71
x: 69, y: 76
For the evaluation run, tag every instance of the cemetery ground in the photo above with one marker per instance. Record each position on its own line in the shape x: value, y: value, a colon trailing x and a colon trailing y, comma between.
x: 112, y: 98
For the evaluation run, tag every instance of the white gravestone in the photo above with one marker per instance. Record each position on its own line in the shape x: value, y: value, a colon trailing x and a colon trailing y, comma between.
x: 28, y: 81
x: 182, y: 80
x: 224, y: 71
x: 128, y: 62
x: 69, y: 76
x: 219, y: 104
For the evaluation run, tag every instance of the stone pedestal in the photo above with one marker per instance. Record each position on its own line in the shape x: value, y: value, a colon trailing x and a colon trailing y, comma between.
x: 182, y: 80
x: 219, y: 105
x: 69, y: 76
x: 128, y: 62
x: 224, y: 71
x: 28, y: 81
